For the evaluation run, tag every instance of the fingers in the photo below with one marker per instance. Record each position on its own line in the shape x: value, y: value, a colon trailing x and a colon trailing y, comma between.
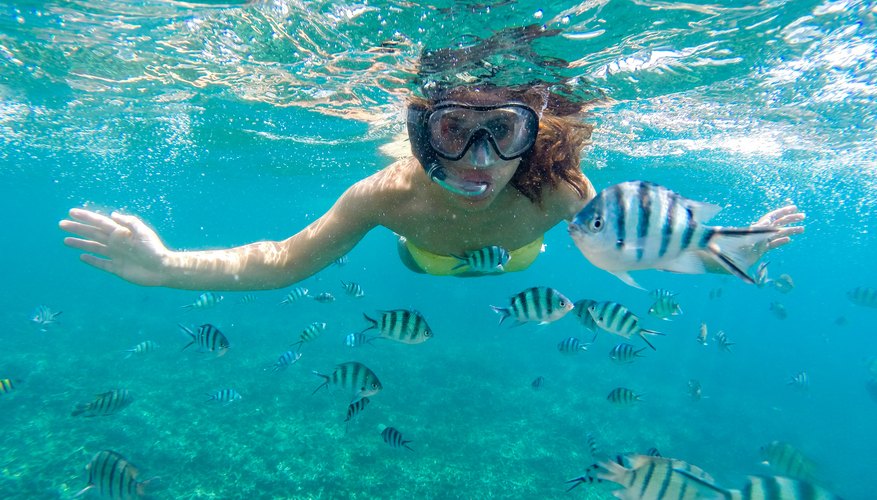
x: 785, y: 220
x: 95, y: 219
x: 788, y: 214
x: 102, y: 264
x: 83, y: 230
x: 87, y: 246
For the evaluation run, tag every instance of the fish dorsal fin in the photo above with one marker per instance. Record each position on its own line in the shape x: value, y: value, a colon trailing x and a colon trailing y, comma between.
x: 702, y: 211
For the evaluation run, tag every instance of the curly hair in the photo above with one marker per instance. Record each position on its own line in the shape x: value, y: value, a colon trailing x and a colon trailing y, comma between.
x: 562, y: 135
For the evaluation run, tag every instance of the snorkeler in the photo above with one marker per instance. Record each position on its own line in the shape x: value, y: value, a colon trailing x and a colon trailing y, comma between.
x: 490, y: 166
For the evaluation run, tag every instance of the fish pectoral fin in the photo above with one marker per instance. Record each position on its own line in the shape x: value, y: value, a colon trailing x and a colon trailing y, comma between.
x: 623, y: 276
x: 687, y: 263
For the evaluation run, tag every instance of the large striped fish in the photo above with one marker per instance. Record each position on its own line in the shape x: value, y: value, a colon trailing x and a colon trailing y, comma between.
x: 104, y: 404
x: 650, y: 477
x: 353, y: 376
x: 208, y: 338
x: 112, y: 476
x: 762, y: 488
x: 538, y: 303
x: 402, y: 325
x: 639, y: 225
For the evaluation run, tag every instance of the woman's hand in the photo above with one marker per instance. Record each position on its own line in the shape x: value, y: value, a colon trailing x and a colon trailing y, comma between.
x: 780, y: 220
x: 121, y: 244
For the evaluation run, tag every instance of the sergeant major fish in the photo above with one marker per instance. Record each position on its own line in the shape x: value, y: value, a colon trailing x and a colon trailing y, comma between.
x: 353, y: 289
x: 580, y: 311
x: 142, y: 348
x: 862, y: 296
x: 571, y: 345
x: 355, y: 377
x: 622, y: 396
x: 208, y: 338
x: 226, y: 396
x: 485, y: 260
x: 107, y: 403
x: 43, y: 316
x: 285, y: 360
x: 639, y: 225
x: 204, y: 301
x: 355, y: 408
x: 310, y: 333
x: 294, y: 295
x: 112, y: 476
x: 616, y: 318
x: 7, y: 385
x: 762, y: 488
x: 625, y: 353
x: 402, y: 325
x: 393, y: 437
x: 540, y: 304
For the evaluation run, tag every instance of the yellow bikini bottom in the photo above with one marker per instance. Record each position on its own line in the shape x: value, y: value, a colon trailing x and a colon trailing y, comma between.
x: 423, y: 261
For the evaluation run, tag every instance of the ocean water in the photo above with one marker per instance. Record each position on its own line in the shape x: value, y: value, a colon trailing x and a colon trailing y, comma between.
x: 225, y: 123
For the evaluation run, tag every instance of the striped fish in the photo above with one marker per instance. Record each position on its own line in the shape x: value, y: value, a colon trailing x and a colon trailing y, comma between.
x: 580, y: 311
x: 779, y: 310
x: 341, y: 261
x: 615, y: 318
x: 695, y: 390
x: 355, y: 408
x: 861, y: 296
x: 486, y: 260
x: 571, y: 345
x: 285, y: 360
x: 702, y: 334
x: 208, y: 338
x: 647, y: 477
x: 625, y: 353
x: 639, y: 225
x: 142, y: 348
x: 762, y: 488
x: 204, y: 301
x: 294, y: 295
x: 7, y: 385
x: 247, y: 298
x: 355, y: 377
x: 540, y: 304
x: 357, y: 339
x: 622, y: 396
x: 105, y: 404
x: 788, y: 461
x: 310, y: 333
x: 43, y: 316
x: 353, y: 289
x: 800, y: 381
x: 393, y: 437
x: 324, y: 298
x: 665, y: 307
x: 594, y: 447
x: 723, y: 342
x: 112, y: 476
x: 537, y: 383
x: 227, y: 396
x: 402, y: 325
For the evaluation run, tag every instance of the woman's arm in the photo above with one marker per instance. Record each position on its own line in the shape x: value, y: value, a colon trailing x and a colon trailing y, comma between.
x: 127, y: 247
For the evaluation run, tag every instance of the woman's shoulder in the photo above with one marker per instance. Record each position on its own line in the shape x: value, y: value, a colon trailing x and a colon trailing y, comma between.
x: 565, y: 200
x: 393, y: 185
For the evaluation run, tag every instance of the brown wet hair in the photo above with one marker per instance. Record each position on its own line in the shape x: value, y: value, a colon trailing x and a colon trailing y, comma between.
x: 563, y: 134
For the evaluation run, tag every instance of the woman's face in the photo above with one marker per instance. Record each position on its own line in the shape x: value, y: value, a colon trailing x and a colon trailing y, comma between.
x: 471, y: 169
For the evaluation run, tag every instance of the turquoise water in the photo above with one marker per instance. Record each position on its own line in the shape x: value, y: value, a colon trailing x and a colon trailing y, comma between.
x: 224, y: 123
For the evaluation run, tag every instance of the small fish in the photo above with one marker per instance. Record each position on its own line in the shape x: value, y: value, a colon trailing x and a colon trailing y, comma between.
x: 43, y: 316
x: 540, y: 304
x: 355, y: 408
x: 761, y: 278
x: 537, y: 383
x: 208, y: 338
x: 715, y: 293
x: 653, y: 452
x: 784, y: 283
x: 227, y: 396
x: 204, y: 301
x: 357, y: 339
x: 355, y: 377
x: 310, y: 333
x: 324, y: 298
x: 144, y: 347
x: 341, y: 261
x: 580, y: 311
x: 702, y: 335
x: 7, y: 385
x: 486, y: 260
x: 861, y: 296
x: 294, y: 295
x: 571, y: 345
x: 402, y: 325
x: 788, y: 461
x: 723, y: 342
x: 594, y: 447
x: 840, y: 321
x: 695, y: 390
x: 871, y: 387
x: 779, y: 310
x: 648, y: 477
x: 761, y: 487
x: 615, y: 318
x: 639, y: 225
x: 623, y: 396
x: 107, y: 403
x: 112, y: 476
x: 247, y: 298
x: 393, y: 437
x: 353, y: 289
x: 285, y: 360
x: 665, y: 307
x: 624, y: 353
x: 800, y: 381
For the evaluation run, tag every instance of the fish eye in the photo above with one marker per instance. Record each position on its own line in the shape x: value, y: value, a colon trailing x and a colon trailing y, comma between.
x: 596, y: 224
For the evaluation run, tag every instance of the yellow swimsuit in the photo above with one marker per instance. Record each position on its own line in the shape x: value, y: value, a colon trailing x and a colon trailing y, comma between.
x: 443, y: 265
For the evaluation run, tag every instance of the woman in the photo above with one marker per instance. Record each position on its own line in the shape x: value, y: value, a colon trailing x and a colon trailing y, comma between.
x: 491, y: 166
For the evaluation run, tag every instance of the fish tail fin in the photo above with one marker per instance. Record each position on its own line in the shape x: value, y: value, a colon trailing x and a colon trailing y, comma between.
x: 373, y: 323
x: 462, y: 262
x: 577, y: 481
x: 79, y: 410
x: 144, y: 488
x: 728, y: 246
x: 612, y: 471
x: 297, y: 344
x: 646, y: 341
x: 130, y: 352
x: 324, y: 384
x: 504, y: 312
x: 405, y: 444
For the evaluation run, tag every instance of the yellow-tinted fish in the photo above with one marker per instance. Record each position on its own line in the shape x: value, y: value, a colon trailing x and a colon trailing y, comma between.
x: 789, y: 461
x: 112, y: 476
x: 654, y: 478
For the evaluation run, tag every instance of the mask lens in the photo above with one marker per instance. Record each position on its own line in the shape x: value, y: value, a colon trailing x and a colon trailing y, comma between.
x: 511, y: 129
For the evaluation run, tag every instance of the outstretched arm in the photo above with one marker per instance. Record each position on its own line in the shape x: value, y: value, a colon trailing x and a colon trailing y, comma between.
x: 125, y: 246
